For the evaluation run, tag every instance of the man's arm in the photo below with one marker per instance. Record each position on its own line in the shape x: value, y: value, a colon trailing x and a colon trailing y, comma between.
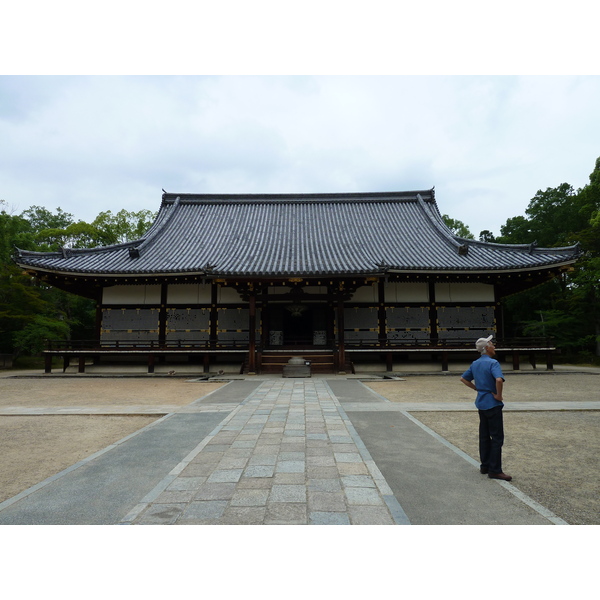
x: 468, y: 383
x: 499, y: 387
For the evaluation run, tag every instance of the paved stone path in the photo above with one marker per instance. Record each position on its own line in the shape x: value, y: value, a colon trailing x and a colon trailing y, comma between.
x: 287, y: 455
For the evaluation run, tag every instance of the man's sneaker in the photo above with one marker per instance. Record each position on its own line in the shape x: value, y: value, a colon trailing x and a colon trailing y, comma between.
x: 502, y: 476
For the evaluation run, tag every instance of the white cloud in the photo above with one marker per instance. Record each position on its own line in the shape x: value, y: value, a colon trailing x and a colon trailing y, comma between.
x: 487, y: 144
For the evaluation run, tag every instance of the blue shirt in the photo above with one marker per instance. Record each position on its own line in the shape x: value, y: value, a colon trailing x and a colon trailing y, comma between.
x: 484, y: 371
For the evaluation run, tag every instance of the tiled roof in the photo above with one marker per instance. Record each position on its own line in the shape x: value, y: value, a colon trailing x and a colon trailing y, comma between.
x: 306, y: 234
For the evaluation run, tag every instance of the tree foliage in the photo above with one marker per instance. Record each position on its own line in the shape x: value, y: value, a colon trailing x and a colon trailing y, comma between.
x: 31, y: 312
x: 567, y: 309
x: 458, y: 228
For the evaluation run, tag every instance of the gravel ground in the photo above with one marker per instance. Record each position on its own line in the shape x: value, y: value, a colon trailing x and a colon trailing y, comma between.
x: 522, y: 387
x: 99, y: 391
x: 553, y: 456
x: 33, y: 448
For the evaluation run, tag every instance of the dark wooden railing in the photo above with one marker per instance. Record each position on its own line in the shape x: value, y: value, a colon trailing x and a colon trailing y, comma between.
x: 61, y: 346
x: 204, y: 349
x: 466, y: 343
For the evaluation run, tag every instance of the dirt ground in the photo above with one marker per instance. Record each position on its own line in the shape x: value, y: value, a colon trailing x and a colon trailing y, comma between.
x: 65, y: 391
x: 33, y: 448
x: 554, y: 456
x: 522, y: 387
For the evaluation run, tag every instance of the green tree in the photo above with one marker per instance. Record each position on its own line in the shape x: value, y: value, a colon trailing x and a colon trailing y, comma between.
x: 30, y: 311
x: 458, y: 228
x: 585, y: 277
x: 568, y: 307
x: 125, y: 226
x: 31, y: 339
x: 516, y: 230
x: 19, y: 298
x: 555, y: 215
x: 40, y: 218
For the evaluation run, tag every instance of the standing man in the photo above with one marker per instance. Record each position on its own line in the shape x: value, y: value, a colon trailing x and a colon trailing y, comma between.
x: 489, y: 381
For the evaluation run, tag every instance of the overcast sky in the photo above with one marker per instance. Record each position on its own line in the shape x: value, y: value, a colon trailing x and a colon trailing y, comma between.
x: 487, y: 143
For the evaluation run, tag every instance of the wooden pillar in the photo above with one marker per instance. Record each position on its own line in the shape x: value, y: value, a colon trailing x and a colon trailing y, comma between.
x: 48, y: 363
x: 252, y: 333
x: 266, y: 318
x: 382, y: 323
x: 498, y: 315
x: 162, y: 315
x: 331, y: 332
x: 532, y: 360
x: 381, y: 313
x: 340, y: 328
x: 151, y: 361
x: 433, y: 335
x: 389, y: 361
x: 214, y: 315
x: 444, y: 360
x: 515, y: 360
x: 550, y: 360
x: 98, y: 325
x: 81, y: 364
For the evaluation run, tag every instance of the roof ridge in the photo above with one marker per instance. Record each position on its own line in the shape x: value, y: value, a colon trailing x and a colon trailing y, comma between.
x: 531, y: 247
x: 156, y: 229
x: 73, y: 251
x: 329, y: 197
x: 443, y: 231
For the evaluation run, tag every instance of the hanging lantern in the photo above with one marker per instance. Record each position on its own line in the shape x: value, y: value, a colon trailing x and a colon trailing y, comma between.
x: 296, y: 309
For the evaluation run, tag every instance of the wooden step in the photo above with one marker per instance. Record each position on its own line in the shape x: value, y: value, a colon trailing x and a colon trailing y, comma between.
x: 274, y: 362
x: 321, y: 362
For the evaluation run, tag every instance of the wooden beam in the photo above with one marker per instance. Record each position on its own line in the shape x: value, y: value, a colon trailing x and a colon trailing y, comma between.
x: 252, y: 334
x: 444, y: 360
x: 341, y: 341
x: 433, y: 331
x: 162, y: 315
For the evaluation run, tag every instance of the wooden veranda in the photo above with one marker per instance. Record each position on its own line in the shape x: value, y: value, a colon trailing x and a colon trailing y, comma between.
x: 330, y: 357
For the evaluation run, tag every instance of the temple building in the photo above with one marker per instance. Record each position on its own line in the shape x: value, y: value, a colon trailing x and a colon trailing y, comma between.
x: 244, y: 282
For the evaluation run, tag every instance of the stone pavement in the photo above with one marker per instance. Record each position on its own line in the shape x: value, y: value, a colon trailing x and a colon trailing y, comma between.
x: 287, y: 455
x: 269, y: 450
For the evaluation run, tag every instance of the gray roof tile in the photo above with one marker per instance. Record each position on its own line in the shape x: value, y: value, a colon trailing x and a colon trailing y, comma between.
x: 310, y: 234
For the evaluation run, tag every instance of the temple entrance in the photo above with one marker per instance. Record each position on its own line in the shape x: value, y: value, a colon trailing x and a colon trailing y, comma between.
x: 298, y: 327
x: 295, y: 325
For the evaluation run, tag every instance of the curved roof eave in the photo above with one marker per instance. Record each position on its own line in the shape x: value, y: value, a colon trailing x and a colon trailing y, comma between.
x: 409, y: 237
x: 500, y: 270
x: 313, y: 274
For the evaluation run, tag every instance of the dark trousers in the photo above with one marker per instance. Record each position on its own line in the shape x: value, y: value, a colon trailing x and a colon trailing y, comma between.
x: 491, y: 438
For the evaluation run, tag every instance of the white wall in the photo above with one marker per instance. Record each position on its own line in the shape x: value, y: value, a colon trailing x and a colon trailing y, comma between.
x: 188, y: 293
x: 407, y: 292
x: 366, y: 293
x: 131, y: 294
x: 228, y: 295
x: 464, y: 292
